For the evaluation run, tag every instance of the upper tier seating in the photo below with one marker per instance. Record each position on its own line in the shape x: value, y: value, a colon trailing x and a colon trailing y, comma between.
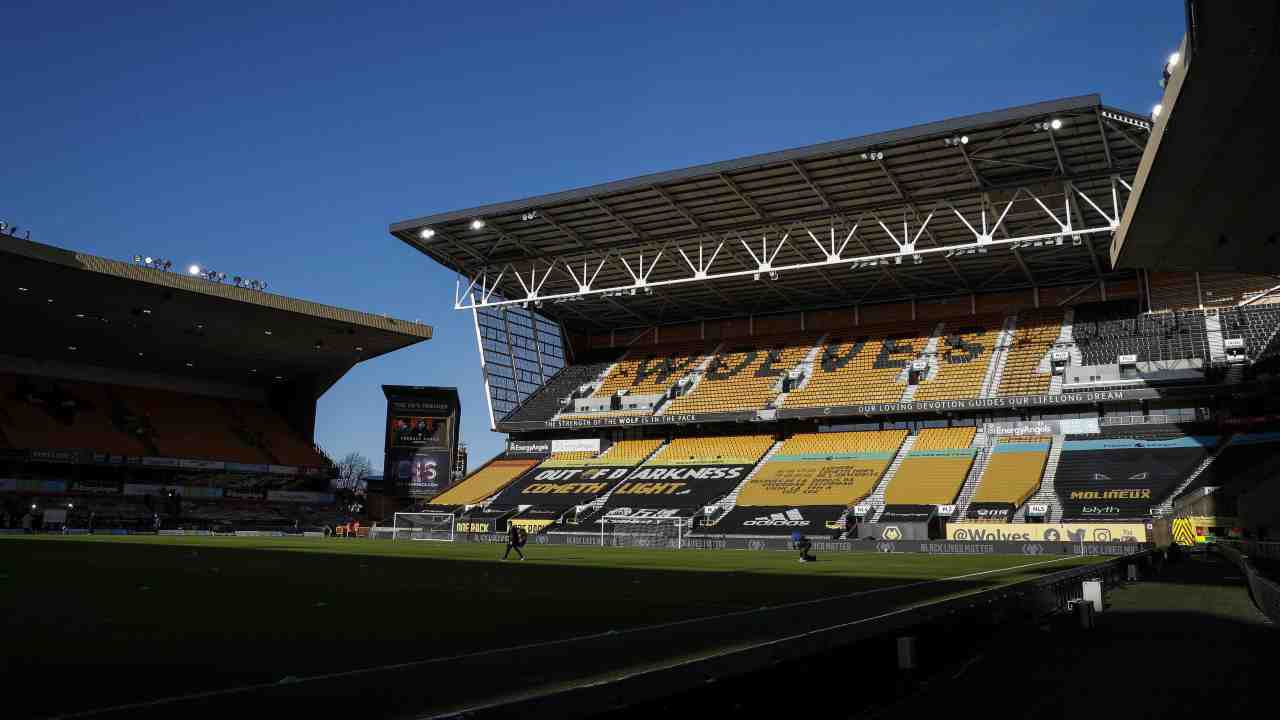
x: 837, y: 468
x: 278, y: 439
x: 49, y: 414
x: 744, y: 376
x: 935, y: 469
x: 188, y: 426
x: 626, y: 453
x: 725, y: 450
x: 1032, y: 339
x: 484, y: 482
x: 43, y: 414
x: 1013, y: 473
x: 545, y: 402
x: 963, y: 353
x: 1256, y: 324
x: 862, y: 366
x: 652, y: 370
x: 1107, y: 330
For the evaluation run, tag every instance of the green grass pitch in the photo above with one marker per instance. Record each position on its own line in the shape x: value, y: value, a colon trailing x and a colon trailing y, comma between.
x: 137, y: 618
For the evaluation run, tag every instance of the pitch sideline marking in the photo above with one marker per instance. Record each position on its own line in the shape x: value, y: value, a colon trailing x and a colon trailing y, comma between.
x: 561, y: 641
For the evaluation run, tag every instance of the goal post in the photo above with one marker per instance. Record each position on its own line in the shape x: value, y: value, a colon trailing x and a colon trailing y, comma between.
x: 643, y: 532
x: 423, y: 526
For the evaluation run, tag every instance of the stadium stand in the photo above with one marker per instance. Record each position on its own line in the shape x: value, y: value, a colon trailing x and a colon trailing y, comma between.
x: 725, y: 450
x: 835, y: 468
x: 962, y: 357
x: 745, y: 377
x: 1033, y: 338
x: 485, y: 482
x: 547, y: 401
x: 652, y: 370
x: 568, y: 459
x: 934, y: 469
x: 862, y: 366
x: 626, y: 453
x: 1013, y: 473
x: 1123, y: 472
x: 1104, y: 331
x: 43, y: 414
x: 1247, y: 458
x: 1255, y: 324
x: 869, y: 364
x: 187, y: 426
x: 275, y: 436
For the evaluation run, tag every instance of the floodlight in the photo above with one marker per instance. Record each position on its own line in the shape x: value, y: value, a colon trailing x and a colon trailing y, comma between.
x: 477, y: 224
x: 148, y: 259
x: 1174, y: 58
x: 193, y: 270
x: 1155, y: 111
x: 1056, y: 124
x: 427, y: 233
x: 964, y: 139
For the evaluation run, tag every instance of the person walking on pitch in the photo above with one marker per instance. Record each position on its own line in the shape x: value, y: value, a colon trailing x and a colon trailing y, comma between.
x: 516, y: 537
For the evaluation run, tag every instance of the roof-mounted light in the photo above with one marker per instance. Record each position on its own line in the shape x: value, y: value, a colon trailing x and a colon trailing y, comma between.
x: 426, y: 233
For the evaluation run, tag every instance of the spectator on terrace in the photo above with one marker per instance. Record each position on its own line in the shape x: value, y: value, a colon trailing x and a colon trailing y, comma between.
x: 93, y: 520
x: 28, y: 521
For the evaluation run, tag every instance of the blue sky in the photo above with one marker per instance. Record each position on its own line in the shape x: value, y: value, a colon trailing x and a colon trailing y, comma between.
x: 279, y: 140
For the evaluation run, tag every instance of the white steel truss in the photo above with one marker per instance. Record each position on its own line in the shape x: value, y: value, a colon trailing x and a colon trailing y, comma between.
x: 704, y: 258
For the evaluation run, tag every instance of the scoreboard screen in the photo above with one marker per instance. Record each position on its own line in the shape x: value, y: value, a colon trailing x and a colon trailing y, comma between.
x: 421, y: 439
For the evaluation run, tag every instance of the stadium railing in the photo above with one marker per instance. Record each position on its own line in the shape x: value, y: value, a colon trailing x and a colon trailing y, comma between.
x: 1265, y: 591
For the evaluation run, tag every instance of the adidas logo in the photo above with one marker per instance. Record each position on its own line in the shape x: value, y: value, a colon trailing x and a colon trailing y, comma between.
x: 790, y: 518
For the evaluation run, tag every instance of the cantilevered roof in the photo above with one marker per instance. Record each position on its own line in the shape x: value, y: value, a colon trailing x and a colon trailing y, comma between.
x: 1045, y: 169
x: 78, y: 308
x: 1209, y: 184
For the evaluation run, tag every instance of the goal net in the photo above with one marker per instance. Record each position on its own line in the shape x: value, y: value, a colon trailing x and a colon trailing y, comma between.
x: 423, y: 526
x: 643, y: 532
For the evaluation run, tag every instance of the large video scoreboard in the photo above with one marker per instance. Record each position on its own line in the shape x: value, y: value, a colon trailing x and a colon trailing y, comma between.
x: 421, y: 439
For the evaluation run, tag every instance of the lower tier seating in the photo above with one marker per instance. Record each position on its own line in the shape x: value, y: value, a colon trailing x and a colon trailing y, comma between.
x: 1110, y: 477
x: 811, y: 469
x: 1013, y: 473
x: 726, y: 450
x: 483, y: 483
x: 934, y: 470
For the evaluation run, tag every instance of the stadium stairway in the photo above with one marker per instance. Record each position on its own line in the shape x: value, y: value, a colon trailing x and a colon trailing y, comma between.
x: 930, y: 355
x: 698, y: 374
x: 1213, y: 332
x: 876, y: 498
x: 995, y: 367
x: 1166, y: 506
x: 1046, y: 494
x: 729, y: 501
x: 807, y: 366
x: 983, y: 444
